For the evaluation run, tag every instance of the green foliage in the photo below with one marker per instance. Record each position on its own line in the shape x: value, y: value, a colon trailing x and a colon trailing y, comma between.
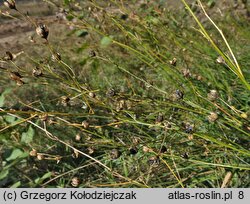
x: 16, y: 153
x: 2, y: 96
x: 27, y: 137
x: 81, y: 33
x: 105, y: 41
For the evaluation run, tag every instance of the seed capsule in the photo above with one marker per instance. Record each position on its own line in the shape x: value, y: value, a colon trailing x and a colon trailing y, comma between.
x: 19, y: 83
x: 159, y: 118
x: 154, y: 161
x: 90, y: 150
x: 190, y: 137
x: 11, y: 4
x: 173, y: 61
x: 164, y: 149
x: 85, y: 124
x: 133, y: 150
x: 115, y: 154
x: 65, y: 100
x: 124, y: 16
x: 110, y: 92
x: 185, y: 155
x: 213, y: 95
x: 42, y: 31
x: 37, y: 72
x: 199, y: 77
x: 75, y: 154
x: 78, y: 137
x: 43, y: 117
x: 177, y: 95
x: 9, y: 56
x: 135, y: 140
x: 40, y: 157
x: 92, y: 53
x: 56, y: 56
x: 92, y: 94
x: 33, y: 153
x: 15, y: 76
x: 75, y: 181
x: 186, y: 72
x: 121, y: 105
x: 145, y: 149
x: 167, y: 125
x: 189, y: 128
x: 51, y: 121
x: 212, y: 117
x: 220, y: 60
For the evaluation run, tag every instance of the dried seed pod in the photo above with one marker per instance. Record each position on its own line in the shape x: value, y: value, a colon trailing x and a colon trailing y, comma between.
x: 124, y: 17
x: 33, y: 153
x: 167, y: 125
x: 51, y: 122
x: 31, y: 38
x: 185, y: 155
x: 65, y: 100
x: 121, y: 105
x: 90, y: 150
x: 199, y: 77
x: 154, y: 161
x: 159, y: 118
x: 58, y: 159
x: 220, y: 60
x: 115, y: 154
x: 78, y: 137
x: 189, y: 128
x: 36, y: 72
x: 19, y: 83
x: 163, y: 149
x: 110, y: 92
x: 146, y: 149
x: 92, y: 53
x: 11, y: 4
x: 177, y: 95
x: 173, y: 61
x: 40, y: 156
x: 213, y: 95
x: 56, y: 56
x: 135, y: 140
x: 186, y: 72
x: 15, y: 76
x: 85, y: 124
x: 212, y: 117
x: 75, y: 182
x: 129, y: 105
x: 9, y: 56
x: 133, y: 150
x: 92, y: 94
x: 75, y: 154
x: 190, y: 137
x: 43, y: 117
x: 42, y: 31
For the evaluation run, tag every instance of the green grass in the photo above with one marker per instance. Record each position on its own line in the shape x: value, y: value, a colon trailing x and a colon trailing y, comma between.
x: 148, y: 124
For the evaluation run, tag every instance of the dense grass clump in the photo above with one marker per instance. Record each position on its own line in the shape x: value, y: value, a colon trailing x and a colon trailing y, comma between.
x: 121, y: 94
